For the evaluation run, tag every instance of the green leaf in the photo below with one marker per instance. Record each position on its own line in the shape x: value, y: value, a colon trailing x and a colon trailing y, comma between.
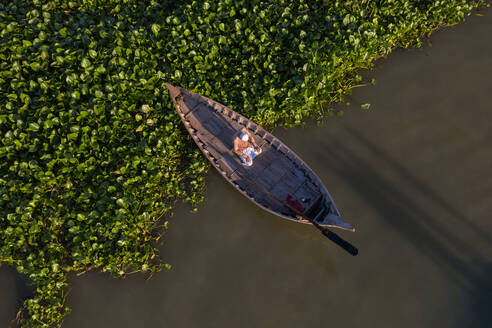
x: 346, y: 19
x: 85, y: 63
x: 101, y: 69
x: 44, y: 54
x: 34, y: 127
x: 122, y: 61
x: 155, y: 29
x: 48, y: 124
x: 63, y: 32
x: 35, y: 66
x: 72, y: 136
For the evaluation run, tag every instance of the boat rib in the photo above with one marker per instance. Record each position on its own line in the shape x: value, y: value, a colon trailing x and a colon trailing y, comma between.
x: 277, y: 181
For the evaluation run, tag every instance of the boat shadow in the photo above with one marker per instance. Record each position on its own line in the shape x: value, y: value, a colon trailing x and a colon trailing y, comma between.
x: 435, y: 228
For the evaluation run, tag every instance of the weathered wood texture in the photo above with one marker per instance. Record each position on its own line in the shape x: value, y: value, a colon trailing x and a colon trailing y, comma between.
x: 275, y: 174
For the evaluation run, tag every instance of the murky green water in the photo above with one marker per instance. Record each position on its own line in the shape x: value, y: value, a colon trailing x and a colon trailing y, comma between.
x: 413, y: 174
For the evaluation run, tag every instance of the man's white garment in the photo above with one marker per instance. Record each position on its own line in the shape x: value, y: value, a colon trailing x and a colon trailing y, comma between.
x: 251, y: 153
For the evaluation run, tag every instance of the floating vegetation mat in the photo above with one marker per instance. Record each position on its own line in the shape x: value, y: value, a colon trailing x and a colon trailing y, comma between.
x: 93, y: 155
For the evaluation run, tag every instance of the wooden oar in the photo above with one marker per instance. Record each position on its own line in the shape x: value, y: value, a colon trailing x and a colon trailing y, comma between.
x: 327, y: 233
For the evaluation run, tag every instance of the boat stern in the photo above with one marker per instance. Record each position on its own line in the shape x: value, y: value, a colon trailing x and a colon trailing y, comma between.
x: 173, y: 91
x: 333, y: 220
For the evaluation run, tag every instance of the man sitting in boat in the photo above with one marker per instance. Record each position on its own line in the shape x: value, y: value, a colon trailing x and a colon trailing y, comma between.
x: 245, y: 147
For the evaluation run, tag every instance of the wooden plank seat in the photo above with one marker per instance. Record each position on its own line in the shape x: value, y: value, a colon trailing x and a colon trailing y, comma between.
x: 189, y: 103
x: 204, y: 135
x: 226, y: 136
x: 308, y: 191
x: 216, y: 148
x: 313, y: 208
x: 228, y: 163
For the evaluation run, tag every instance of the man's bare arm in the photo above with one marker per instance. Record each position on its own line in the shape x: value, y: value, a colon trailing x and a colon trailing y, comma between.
x: 237, y: 152
x: 236, y: 148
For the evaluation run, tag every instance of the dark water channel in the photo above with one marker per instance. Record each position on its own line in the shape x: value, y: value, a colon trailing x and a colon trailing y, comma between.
x: 413, y: 174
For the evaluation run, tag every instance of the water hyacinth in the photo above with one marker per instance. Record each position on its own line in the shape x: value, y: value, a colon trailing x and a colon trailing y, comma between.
x: 93, y: 156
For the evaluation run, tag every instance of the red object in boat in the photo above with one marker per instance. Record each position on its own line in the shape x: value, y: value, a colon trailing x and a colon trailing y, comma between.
x: 295, y: 203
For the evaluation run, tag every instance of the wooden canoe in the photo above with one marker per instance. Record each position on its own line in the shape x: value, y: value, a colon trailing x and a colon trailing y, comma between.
x: 276, y: 173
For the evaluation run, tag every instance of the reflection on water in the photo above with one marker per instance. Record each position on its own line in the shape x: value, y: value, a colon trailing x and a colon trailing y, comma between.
x: 412, y: 174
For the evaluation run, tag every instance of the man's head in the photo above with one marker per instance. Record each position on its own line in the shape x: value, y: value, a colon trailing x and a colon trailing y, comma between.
x: 244, y: 137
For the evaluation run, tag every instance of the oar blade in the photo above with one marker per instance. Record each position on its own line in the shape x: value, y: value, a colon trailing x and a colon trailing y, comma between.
x: 351, y: 249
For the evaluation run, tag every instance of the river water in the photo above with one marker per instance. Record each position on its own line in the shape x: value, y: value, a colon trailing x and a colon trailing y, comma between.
x: 413, y: 174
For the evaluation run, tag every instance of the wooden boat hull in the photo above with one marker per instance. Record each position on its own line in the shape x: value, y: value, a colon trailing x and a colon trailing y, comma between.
x: 277, y: 173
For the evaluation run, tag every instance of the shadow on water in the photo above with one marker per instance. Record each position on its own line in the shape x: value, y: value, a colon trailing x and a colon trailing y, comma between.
x: 20, y: 290
x: 417, y: 223
x: 348, y: 247
x: 453, y: 212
